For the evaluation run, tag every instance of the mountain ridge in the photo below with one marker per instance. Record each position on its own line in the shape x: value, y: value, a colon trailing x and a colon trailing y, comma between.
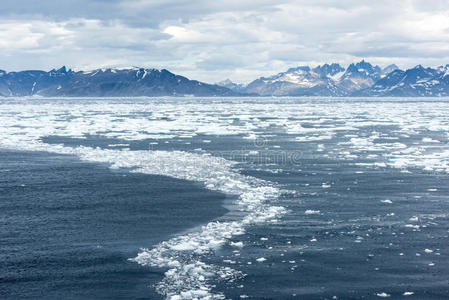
x: 104, y: 83
x: 323, y: 80
x: 414, y: 82
x: 358, y: 79
x: 333, y: 80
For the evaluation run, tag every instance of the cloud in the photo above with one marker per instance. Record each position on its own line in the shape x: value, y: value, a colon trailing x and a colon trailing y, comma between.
x: 213, y: 40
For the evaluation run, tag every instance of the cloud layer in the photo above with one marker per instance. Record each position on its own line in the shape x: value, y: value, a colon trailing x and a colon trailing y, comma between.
x: 214, y: 40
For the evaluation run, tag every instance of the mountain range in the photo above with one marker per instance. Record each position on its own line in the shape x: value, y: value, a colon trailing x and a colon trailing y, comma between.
x: 105, y: 82
x: 358, y: 79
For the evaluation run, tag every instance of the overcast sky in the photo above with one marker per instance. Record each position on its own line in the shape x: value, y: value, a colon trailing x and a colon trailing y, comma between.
x: 212, y: 40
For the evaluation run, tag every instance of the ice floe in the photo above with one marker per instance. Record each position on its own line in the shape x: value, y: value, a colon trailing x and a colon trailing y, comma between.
x: 413, y: 136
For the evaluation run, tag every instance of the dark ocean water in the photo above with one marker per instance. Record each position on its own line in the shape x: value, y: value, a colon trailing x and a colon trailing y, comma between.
x: 68, y: 227
x: 365, y: 187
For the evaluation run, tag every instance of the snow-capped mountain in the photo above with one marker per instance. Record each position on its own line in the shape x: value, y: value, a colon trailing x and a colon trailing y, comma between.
x: 237, y: 87
x: 324, y: 80
x: 359, y: 79
x: 359, y: 76
x: 28, y: 83
x: 298, y: 82
x: 388, y: 69
x: 417, y: 81
x: 105, y: 82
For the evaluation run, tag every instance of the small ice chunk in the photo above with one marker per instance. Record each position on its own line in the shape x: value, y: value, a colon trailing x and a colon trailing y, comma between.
x: 429, y: 140
x: 383, y: 295
x: 428, y: 251
x: 229, y: 261
x: 312, y: 212
x: 386, y: 201
x: 412, y: 226
x: 215, y: 244
x: 185, y: 246
x: 261, y: 259
x: 237, y: 244
x: 408, y: 293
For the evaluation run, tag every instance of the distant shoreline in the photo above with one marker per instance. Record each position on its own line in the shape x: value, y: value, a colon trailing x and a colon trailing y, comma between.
x: 357, y: 80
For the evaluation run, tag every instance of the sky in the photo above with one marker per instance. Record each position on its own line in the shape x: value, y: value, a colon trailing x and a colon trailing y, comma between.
x: 211, y: 40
